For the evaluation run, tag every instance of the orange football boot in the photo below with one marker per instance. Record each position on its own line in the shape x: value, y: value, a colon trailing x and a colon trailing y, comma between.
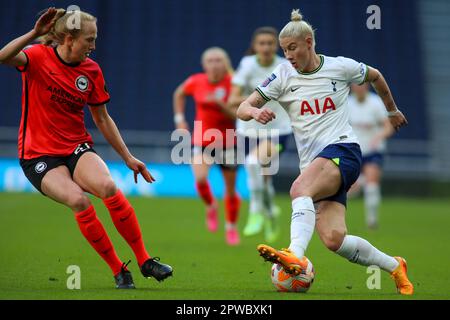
x: 284, y: 257
x: 404, y: 286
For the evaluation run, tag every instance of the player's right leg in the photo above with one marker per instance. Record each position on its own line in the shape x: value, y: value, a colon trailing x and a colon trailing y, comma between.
x: 58, y: 185
x: 331, y: 227
x: 232, y: 205
x: 200, y: 168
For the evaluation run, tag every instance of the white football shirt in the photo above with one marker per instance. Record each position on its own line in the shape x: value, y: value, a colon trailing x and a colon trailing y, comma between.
x: 367, y: 120
x: 248, y: 76
x: 316, y: 102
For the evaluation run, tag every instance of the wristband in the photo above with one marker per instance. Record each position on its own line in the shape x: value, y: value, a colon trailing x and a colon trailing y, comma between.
x: 393, y: 113
x: 178, y: 118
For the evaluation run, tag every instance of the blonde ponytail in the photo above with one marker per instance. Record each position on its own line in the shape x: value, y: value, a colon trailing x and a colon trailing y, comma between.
x: 63, y: 27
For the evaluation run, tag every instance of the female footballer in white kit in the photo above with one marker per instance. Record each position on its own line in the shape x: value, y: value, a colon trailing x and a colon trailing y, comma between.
x: 314, y: 89
x: 266, y: 142
x: 372, y: 127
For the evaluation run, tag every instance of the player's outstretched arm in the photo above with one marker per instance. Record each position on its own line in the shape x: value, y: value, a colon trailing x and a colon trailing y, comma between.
x: 380, y: 85
x: 108, y: 128
x: 252, y: 108
x: 11, y: 53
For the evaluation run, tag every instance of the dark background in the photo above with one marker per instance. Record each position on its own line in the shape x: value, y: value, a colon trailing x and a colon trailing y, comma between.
x: 146, y: 48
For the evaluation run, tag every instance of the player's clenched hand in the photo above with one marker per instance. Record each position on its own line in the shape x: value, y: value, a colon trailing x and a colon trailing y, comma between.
x: 397, y: 120
x: 263, y: 115
x: 139, y: 167
x: 46, y: 21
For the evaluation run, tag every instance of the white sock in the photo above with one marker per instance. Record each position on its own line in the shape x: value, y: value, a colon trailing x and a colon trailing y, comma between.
x: 256, y: 201
x: 360, y: 251
x: 255, y: 182
x: 270, y: 188
x: 302, y: 225
x: 229, y: 226
x: 372, y: 198
x: 269, y: 195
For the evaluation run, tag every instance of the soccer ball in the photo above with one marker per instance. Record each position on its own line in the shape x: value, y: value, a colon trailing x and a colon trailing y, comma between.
x: 286, y: 282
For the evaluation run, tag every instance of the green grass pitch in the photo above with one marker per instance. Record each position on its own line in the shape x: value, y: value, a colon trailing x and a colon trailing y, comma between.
x: 39, y: 239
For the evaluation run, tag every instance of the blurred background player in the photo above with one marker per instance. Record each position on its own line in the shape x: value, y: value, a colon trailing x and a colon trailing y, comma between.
x: 314, y: 90
x: 371, y: 125
x: 253, y: 69
x: 210, y: 91
x: 55, y: 150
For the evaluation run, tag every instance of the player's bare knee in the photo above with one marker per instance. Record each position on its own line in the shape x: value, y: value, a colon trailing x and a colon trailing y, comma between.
x: 79, y: 201
x: 333, y: 240
x: 372, y: 179
x: 108, y: 189
x: 297, y: 190
x: 201, y: 180
x: 230, y: 192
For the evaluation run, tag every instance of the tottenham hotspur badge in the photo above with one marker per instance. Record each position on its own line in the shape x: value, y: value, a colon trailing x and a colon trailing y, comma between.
x: 82, y: 83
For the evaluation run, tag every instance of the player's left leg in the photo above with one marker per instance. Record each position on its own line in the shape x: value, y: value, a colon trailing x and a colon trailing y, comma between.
x: 255, y: 183
x: 93, y: 176
x: 319, y: 180
x: 200, y: 168
x: 272, y: 212
x: 269, y: 152
x: 232, y: 205
x: 372, y: 194
x: 332, y: 230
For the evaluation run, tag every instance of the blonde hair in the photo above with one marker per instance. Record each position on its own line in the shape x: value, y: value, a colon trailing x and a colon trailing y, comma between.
x: 63, y: 26
x: 224, y: 54
x: 297, y: 27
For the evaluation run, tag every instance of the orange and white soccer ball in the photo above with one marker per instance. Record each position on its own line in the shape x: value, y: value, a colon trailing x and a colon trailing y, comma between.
x: 286, y: 282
